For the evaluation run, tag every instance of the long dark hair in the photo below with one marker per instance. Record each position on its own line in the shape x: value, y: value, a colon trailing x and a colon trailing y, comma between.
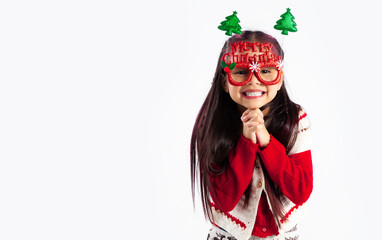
x: 218, y: 127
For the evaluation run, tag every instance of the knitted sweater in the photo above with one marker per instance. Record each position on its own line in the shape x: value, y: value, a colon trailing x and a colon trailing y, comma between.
x: 292, y: 173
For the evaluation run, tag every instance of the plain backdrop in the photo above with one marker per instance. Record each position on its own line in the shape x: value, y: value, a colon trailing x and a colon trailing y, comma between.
x: 98, y: 100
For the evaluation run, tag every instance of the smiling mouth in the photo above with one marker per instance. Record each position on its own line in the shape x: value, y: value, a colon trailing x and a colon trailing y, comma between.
x: 253, y: 94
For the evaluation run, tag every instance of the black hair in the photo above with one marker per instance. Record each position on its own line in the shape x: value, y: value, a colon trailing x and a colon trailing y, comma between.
x: 218, y: 127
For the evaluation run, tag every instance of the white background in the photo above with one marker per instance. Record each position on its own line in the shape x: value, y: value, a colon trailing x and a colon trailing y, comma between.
x: 98, y: 101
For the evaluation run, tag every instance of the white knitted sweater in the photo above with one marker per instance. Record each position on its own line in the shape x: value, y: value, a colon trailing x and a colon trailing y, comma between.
x: 247, y: 216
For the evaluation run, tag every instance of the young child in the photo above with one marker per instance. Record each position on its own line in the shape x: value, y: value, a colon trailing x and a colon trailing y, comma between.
x: 250, y: 145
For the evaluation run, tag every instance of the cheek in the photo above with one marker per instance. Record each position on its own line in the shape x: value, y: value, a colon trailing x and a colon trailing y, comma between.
x: 275, y: 88
x: 234, y: 93
x: 272, y: 91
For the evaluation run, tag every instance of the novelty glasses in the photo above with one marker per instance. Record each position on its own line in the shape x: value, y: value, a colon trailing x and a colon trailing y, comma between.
x: 268, y: 73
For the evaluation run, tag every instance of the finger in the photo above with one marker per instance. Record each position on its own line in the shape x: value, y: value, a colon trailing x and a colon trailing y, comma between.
x: 254, y: 117
x: 245, y: 113
x: 250, y: 114
x: 256, y: 127
x: 254, y: 122
x: 259, y: 112
x: 253, y: 125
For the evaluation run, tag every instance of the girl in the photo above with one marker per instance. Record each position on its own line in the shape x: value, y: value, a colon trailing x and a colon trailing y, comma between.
x: 250, y: 145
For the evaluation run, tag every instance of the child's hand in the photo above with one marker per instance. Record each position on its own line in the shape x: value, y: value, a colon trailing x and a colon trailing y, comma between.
x: 254, y: 128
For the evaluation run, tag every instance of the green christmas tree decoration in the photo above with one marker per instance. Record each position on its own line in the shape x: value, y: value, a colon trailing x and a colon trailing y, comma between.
x: 286, y: 23
x: 231, y: 25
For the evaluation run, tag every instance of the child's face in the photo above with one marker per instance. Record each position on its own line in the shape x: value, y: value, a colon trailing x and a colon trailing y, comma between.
x: 252, y: 95
x: 257, y: 76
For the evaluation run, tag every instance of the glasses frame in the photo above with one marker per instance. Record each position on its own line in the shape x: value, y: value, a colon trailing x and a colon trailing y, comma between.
x: 254, y: 68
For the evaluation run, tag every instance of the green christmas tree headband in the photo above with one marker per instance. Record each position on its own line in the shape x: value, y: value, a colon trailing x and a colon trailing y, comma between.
x: 253, y: 58
x: 285, y: 24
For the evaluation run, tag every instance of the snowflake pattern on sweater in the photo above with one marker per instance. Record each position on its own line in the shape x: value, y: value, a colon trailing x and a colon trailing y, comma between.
x: 216, y: 233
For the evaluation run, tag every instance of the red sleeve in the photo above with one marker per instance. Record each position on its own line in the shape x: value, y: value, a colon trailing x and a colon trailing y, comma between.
x: 232, y: 183
x: 293, y: 174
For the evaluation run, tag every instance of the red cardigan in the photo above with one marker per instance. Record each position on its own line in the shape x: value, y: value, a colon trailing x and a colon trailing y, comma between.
x: 292, y: 173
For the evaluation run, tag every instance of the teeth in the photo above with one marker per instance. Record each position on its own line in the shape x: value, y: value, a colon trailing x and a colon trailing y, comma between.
x: 253, y: 94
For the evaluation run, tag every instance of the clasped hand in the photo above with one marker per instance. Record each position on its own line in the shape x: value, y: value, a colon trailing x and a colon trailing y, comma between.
x: 254, y: 128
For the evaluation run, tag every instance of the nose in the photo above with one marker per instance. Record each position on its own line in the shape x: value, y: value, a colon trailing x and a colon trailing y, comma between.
x: 254, y: 80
